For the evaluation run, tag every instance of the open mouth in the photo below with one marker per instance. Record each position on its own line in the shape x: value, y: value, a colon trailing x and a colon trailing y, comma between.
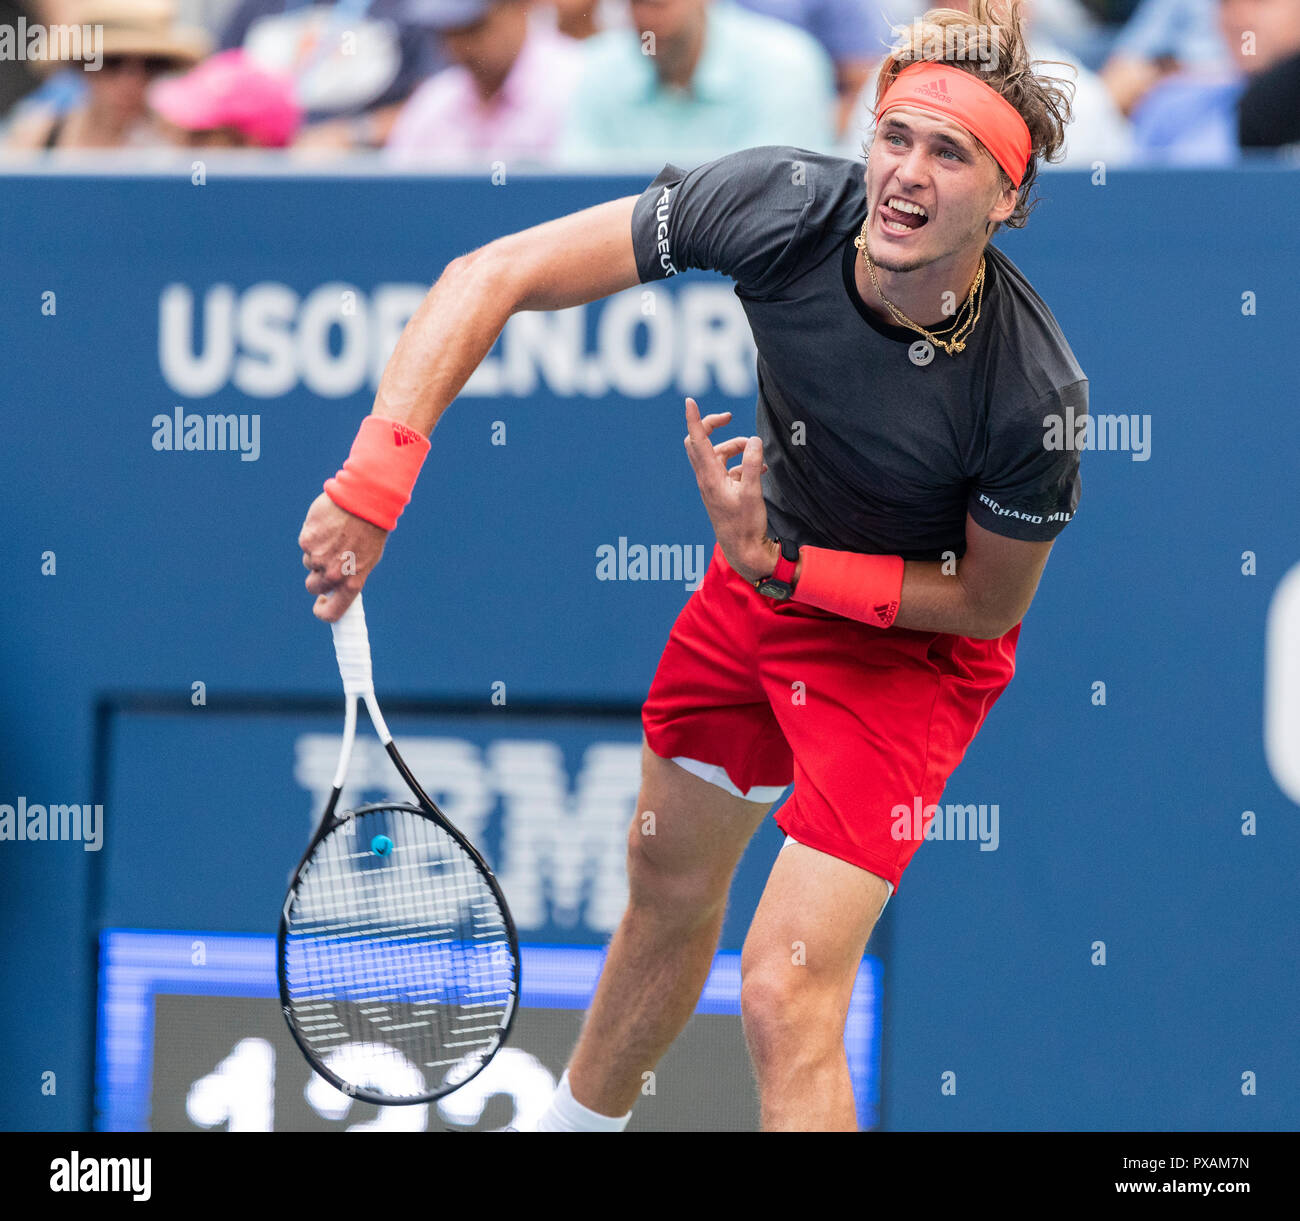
x: 898, y: 215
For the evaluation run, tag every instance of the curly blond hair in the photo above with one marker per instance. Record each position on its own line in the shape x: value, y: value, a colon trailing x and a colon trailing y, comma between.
x: 995, y: 52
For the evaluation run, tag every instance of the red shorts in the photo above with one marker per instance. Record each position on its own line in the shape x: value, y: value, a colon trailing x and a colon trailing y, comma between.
x: 862, y: 719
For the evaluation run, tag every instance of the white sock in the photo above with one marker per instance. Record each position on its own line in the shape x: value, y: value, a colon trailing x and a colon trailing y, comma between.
x: 567, y: 1114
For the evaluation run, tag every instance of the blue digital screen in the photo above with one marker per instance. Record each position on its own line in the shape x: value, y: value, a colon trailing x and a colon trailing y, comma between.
x: 191, y: 1037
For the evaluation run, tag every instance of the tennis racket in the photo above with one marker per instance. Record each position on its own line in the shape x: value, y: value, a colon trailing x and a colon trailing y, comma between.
x: 397, y: 958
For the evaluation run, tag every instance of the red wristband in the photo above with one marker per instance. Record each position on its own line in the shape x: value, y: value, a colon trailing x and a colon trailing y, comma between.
x: 863, y: 587
x: 376, y: 481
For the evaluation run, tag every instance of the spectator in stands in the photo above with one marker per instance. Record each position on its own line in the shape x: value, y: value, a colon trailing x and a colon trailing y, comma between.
x: 107, y: 107
x: 1161, y: 39
x: 19, y: 77
x: 33, y: 85
x: 1074, y: 26
x: 227, y: 102
x: 1097, y: 131
x: 353, y: 63
x: 1191, y: 118
x: 1269, y: 115
x: 583, y: 18
x: 693, y: 80
x: 1069, y: 25
x: 504, y: 98
x: 854, y: 33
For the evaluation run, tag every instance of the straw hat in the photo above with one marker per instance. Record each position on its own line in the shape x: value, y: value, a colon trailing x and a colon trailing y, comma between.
x: 137, y: 27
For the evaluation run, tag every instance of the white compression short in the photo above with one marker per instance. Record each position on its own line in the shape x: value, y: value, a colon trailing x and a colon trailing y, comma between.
x: 764, y: 794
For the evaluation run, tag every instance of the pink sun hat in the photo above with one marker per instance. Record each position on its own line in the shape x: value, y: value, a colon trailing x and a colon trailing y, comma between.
x: 230, y: 90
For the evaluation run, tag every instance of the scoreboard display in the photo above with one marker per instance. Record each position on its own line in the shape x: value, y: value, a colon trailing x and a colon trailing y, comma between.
x: 191, y: 1038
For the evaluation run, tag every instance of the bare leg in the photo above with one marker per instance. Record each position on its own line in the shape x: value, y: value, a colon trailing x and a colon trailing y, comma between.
x: 680, y: 865
x: 800, y: 960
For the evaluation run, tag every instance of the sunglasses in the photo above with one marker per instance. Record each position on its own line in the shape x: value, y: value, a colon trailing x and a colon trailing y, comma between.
x: 153, y: 65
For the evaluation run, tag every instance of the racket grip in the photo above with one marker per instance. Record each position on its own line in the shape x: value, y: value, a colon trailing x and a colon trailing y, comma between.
x: 352, y: 649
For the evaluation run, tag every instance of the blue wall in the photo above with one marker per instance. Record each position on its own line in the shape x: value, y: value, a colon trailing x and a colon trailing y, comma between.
x: 1118, y: 823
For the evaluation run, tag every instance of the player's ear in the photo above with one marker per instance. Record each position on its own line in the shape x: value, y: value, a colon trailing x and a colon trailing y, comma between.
x: 1006, y: 202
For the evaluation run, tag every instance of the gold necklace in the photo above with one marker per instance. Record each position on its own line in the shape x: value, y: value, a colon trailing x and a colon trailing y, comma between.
x: 971, y: 306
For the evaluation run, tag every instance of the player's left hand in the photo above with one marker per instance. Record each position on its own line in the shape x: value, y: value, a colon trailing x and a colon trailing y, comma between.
x: 732, y: 498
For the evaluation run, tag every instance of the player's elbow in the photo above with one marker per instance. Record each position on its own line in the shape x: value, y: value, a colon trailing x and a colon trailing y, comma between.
x: 993, y: 606
x: 992, y: 629
x: 503, y: 272
x: 999, y: 621
x: 992, y: 621
x: 472, y: 263
x: 481, y: 280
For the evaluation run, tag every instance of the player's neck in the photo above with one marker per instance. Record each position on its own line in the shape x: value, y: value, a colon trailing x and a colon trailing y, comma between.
x: 929, y: 295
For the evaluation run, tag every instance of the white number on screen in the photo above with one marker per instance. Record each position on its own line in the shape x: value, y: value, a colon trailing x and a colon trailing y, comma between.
x: 525, y: 1078
x: 1282, y: 685
x: 241, y: 1090
x: 374, y: 1065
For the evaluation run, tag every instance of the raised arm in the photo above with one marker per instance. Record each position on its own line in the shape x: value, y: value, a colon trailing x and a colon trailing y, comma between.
x: 562, y: 263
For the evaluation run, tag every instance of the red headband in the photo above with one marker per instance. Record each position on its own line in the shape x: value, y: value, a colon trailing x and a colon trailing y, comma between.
x: 985, y: 113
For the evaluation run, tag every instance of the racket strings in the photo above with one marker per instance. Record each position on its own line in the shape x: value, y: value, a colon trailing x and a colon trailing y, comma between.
x: 399, y: 965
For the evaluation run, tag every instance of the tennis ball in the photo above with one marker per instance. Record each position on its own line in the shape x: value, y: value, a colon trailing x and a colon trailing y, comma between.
x: 381, y: 845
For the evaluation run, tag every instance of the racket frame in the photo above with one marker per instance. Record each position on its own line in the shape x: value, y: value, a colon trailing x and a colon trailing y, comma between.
x: 357, y: 686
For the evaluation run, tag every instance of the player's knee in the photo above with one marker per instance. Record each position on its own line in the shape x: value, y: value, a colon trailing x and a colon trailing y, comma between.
x: 664, y: 881
x: 789, y: 1015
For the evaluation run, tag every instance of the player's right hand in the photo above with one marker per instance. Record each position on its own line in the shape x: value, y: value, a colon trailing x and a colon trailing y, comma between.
x: 340, y: 551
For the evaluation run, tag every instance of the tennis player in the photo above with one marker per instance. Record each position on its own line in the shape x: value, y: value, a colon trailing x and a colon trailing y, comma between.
x: 877, y: 546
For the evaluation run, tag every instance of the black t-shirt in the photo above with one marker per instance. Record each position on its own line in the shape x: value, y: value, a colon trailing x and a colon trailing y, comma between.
x: 867, y: 450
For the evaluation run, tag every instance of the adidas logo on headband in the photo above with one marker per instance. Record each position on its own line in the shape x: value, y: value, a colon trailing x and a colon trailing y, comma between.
x: 936, y: 89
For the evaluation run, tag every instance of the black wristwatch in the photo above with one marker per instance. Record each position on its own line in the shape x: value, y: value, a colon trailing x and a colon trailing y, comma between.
x: 779, y: 585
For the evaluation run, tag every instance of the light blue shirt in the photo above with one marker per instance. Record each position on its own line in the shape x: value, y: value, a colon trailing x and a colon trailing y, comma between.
x: 848, y: 29
x: 1189, y: 119
x: 758, y: 81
